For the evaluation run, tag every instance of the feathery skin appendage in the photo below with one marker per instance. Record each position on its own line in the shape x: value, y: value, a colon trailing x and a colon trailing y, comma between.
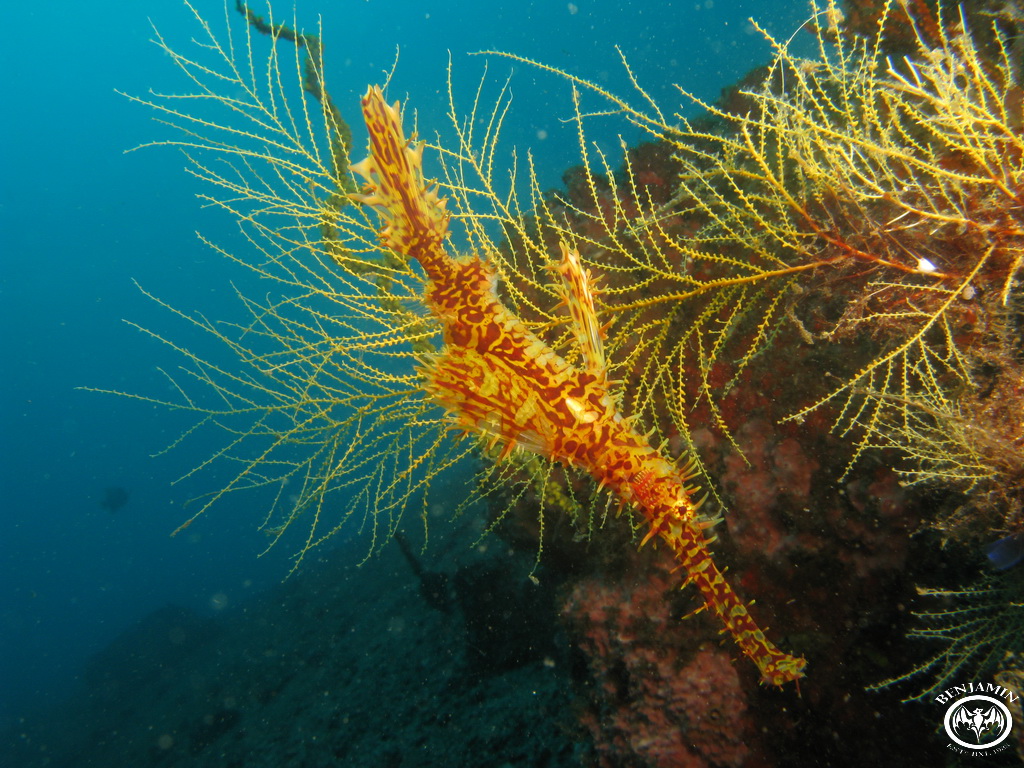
x: 502, y: 381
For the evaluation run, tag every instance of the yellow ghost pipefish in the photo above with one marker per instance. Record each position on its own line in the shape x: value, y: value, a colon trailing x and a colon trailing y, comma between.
x: 500, y: 380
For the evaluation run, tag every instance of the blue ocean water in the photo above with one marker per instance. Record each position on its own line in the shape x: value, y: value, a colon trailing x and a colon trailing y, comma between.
x: 83, y: 225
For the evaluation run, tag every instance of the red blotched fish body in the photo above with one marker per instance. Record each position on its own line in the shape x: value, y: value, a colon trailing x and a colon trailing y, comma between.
x: 500, y: 380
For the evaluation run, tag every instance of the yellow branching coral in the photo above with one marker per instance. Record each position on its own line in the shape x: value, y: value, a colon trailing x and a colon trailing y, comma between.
x: 870, y: 207
x: 893, y: 187
x: 315, y: 390
x: 978, y: 627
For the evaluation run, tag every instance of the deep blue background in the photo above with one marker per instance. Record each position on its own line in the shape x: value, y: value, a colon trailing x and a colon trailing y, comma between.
x: 80, y: 220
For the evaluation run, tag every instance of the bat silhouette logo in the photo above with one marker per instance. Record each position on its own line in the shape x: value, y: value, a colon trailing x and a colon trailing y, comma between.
x: 978, y: 722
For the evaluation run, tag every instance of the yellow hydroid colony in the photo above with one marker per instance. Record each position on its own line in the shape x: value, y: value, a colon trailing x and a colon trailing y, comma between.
x: 315, y: 389
x: 331, y: 406
x: 892, y: 187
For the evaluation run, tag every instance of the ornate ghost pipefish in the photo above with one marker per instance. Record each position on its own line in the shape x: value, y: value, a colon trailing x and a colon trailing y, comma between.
x: 498, y: 379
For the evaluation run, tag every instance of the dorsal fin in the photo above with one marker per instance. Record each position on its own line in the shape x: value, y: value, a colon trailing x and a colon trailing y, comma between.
x: 579, y: 298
